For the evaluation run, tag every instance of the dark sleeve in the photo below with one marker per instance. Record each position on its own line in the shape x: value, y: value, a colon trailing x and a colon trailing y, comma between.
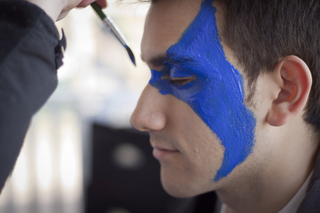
x: 28, y: 62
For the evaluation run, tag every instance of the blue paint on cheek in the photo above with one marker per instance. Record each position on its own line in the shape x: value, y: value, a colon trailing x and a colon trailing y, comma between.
x: 217, y: 94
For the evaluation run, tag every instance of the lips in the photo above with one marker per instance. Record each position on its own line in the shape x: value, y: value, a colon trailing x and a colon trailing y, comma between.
x: 161, y: 147
x: 160, y: 153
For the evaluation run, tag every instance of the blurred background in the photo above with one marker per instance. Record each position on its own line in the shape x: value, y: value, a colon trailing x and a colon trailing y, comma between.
x: 80, y: 154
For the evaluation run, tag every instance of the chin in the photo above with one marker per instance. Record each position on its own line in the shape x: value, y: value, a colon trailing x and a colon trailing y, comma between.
x: 182, y: 189
x: 183, y: 192
x: 178, y: 192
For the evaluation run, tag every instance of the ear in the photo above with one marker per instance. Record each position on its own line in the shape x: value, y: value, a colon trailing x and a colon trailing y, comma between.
x: 294, y: 80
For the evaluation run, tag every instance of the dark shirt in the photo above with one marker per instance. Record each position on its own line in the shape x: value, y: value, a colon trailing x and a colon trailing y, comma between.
x: 30, y: 54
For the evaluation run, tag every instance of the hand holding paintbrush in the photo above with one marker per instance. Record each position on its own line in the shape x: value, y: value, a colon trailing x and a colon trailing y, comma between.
x: 58, y: 9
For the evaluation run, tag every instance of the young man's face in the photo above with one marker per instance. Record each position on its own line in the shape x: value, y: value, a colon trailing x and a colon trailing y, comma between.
x: 194, y: 105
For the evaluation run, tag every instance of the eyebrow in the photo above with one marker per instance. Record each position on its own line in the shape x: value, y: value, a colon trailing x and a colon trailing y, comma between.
x: 157, y: 61
x: 163, y: 59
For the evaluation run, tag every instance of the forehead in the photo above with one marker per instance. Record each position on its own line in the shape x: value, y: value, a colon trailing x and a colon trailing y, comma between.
x: 165, y: 23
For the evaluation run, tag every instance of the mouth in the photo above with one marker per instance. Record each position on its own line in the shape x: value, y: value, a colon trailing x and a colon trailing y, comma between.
x: 160, y: 153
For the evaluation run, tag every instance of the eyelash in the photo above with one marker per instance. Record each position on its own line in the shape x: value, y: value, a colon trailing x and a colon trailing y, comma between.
x: 180, y: 81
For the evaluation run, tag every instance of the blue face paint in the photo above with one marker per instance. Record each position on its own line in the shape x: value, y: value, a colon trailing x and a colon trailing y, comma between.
x: 216, y: 95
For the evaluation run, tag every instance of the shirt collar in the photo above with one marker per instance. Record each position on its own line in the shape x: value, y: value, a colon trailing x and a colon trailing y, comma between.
x: 294, y: 203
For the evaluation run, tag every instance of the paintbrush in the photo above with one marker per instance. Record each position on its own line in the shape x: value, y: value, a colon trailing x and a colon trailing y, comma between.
x: 109, y: 24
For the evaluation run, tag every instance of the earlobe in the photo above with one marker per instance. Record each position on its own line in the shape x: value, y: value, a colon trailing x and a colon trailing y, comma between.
x: 294, y: 80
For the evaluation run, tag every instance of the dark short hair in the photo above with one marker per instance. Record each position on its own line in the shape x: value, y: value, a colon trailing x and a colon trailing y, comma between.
x: 262, y: 32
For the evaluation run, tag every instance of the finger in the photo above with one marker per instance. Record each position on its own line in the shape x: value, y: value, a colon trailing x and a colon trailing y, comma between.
x: 102, y: 3
x: 85, y: 3
x: 62, y: 15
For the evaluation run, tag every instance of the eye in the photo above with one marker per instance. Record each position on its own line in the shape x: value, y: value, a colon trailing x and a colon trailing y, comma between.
x: 180, y: 81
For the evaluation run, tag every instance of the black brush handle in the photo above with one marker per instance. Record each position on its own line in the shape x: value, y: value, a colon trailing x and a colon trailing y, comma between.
x: 98, y: 10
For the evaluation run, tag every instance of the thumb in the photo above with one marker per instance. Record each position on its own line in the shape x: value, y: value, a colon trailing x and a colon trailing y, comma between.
x: 102, y: 3
x: 85, y: 3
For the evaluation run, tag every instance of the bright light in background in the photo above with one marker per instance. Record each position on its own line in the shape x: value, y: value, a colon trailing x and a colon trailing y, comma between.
x: 83, y: 31
x: 70, y: 156
x: 21, y: 173
x: 70, y: 67
x: 21, y: 188
x: 68, y: 164
x: 44, y: 162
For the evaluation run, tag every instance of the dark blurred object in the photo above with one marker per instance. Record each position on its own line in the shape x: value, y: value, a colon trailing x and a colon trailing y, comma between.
x: 125, y: 176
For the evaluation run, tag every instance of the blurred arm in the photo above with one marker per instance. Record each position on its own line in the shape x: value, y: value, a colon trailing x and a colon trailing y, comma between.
x: 30, y: 54
x: 28, y: 46
x: 58, y: 9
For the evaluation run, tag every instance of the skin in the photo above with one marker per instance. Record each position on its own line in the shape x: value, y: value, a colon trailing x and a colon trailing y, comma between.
x: 58, y: 9
x: 190, y: 153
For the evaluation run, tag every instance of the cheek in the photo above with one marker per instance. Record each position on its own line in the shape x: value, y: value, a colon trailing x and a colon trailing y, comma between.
x: 221, y: 106
x: 201, y: 153
x: 201, y: 148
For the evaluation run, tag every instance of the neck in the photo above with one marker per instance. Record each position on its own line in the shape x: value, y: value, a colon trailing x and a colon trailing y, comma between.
x: 273, y: 181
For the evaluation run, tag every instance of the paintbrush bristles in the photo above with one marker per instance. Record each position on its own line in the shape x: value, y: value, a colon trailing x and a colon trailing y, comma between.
x: 131, y: 55
x: 108, y: 23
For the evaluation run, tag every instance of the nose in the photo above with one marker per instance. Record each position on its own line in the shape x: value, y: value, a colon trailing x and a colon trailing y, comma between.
x: 150, y: 111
